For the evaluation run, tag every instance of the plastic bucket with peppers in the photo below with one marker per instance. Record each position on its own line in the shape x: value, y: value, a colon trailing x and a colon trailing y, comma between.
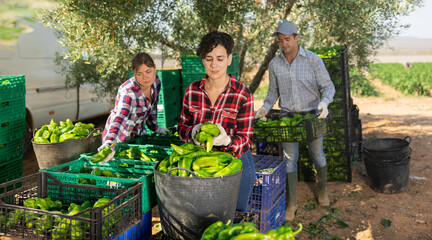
x: 188, y: 205
x: 53, y: 154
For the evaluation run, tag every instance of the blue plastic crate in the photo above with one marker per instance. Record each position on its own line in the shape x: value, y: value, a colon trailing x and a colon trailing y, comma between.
x: 268, y: 184
x: 274, y: 217
x: 139, y: 231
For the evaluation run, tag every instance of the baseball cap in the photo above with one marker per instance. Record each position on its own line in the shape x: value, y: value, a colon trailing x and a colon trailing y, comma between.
x: 286, y: 28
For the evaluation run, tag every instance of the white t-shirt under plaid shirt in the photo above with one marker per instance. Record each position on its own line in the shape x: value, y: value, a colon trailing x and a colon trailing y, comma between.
x: 300, y: 85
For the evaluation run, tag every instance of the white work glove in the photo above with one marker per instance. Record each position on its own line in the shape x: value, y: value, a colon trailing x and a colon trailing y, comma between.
x: 196, y: 130
x: 322, y: 106
x: 261, y: 113
x: 102, y: 147
x: 161, y: 130
x: 222, y: 139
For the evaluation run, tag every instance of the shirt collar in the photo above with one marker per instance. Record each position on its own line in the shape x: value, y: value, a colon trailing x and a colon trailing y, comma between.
x: 301, y: 52
x: 230, y: 82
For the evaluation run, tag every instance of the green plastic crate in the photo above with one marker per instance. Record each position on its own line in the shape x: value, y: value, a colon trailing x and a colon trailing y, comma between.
x: 12, y: 87
x: 10, y: 149
x: 10, y: 170
x: 70, y: 173
x: 160, y: 140
x: 105, y: 222
x: 12, y: 108
x: 169, y: 78
x: 194, y: 65
x: 12, y: 129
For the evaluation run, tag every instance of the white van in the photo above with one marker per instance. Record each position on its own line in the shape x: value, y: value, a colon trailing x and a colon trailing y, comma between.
x: 46, y: 94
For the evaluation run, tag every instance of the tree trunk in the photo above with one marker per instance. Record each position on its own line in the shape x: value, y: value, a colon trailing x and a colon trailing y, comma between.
x: 270, y: 54
x: 264, y: 66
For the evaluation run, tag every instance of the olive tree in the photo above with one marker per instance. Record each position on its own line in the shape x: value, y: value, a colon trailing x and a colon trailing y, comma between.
x: 106, y: 34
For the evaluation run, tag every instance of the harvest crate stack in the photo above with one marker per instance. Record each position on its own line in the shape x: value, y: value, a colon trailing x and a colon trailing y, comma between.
x: 338, y: 146
x: 12, y: 126
x: 193, y: 69
x: 268, y: 195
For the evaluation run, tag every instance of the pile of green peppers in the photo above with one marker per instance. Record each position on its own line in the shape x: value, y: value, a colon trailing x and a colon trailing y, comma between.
x: 100, y: 173
x: 247, y: 231
x: 205, y: 135
x: 65, y: 131
x: 136, y: 154
x: 199, y: 161
x: 59, y: 228
x: 284, y: 121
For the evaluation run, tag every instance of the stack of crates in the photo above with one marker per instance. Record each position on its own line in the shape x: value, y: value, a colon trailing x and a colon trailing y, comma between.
x: 12, y: 126
x: 193, y: 69
x: 338, y: 144
x: 268, y: 195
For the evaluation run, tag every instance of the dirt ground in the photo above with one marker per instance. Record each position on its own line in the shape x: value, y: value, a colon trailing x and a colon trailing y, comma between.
x: 357, y: 211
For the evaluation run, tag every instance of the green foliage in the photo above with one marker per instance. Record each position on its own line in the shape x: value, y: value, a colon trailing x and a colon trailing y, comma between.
x: 107, y: 34
x: 415, y: 80
x: 261, y: 92
x: 360, y: 85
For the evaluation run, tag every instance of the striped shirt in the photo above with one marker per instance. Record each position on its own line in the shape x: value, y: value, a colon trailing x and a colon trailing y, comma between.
x: 300, y: 85
x: 132, y: 112
x: 233, y: 109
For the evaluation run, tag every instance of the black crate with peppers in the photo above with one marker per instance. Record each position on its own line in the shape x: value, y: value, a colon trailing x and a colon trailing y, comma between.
x: 299, y: 128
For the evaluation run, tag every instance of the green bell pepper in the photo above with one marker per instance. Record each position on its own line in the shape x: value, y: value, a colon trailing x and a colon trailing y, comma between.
x: 210, y: 128
x: 66, y: 137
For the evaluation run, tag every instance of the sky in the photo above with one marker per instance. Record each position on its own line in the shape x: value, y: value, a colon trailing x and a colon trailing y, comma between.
x: 420, y: 21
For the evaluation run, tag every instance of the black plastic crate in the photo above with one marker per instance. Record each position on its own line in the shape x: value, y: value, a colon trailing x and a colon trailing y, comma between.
x: 270, y: 182
x: 307, y: 130
x: 105, y: 222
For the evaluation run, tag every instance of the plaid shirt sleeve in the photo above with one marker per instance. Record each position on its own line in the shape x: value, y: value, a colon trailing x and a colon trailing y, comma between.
x: 117, y: 126
x: 233, y: 110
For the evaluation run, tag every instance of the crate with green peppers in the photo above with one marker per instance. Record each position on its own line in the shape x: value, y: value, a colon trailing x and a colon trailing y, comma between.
x: 247, y: 231
x: 131, y: 155
x: 64, y: 131
x: 83, y: 172
x: 299, y: 128
x: 44, y: 207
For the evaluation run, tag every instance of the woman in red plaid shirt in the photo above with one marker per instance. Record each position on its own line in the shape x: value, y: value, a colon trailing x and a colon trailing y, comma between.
x: 221, y: 99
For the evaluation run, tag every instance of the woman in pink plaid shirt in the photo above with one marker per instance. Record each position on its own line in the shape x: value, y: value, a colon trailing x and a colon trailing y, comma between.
x: 136, y: 104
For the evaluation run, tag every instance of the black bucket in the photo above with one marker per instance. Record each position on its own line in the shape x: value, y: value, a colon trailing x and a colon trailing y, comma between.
x: 389, y: 149
x: 188, y: 205
x: 387, y: 163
